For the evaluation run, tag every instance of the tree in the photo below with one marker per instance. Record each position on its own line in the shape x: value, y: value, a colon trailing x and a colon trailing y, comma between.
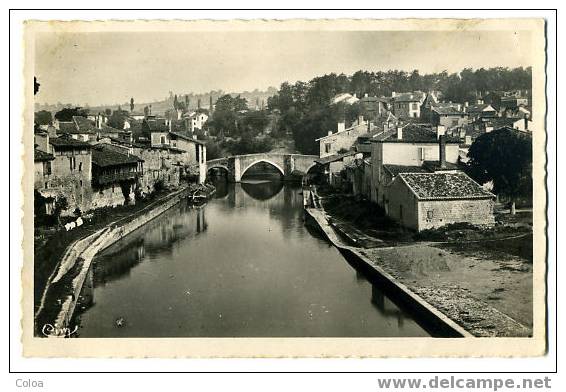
x: 175, y: 102
x: 503, y: 156
x: 213, y: 150
x: 117, y: 119
x: 146, y: 111
x: 43, y: 117
x: 67, y: 114
x: 107, y: 111
x: 131, y: 104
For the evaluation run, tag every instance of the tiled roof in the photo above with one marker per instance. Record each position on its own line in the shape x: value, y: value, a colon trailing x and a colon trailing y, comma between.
x: 441, y: 185
x: 103, y: 156
x: 397, y: 169
x: 67, y: 127
x: 83, y: 125
x: 433, y: 166
x: 186, y: 137
x: 67, y: 142
x: 42, y: 156
x: 108, y: 129
x: 416, y: 96
x: 447, y: 110
x: 156, y: 125
x: 499, y: 122
x: 413, y: 133
x: 477, y: 108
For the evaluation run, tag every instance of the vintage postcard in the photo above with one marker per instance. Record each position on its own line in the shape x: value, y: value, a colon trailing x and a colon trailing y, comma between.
x: 284, y: 188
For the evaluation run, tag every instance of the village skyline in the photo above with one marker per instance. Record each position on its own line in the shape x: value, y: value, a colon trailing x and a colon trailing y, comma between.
x: 65, y: 61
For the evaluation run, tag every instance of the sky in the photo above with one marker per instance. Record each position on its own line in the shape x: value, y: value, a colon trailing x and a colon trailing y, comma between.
x: 110, y: 67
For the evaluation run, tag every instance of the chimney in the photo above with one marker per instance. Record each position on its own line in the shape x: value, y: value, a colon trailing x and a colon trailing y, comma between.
x: 526, y: 119
x: 440, y: 131
x: 329, y: 133
x: 341, y: 126
x: 399, y: 133
x: 393, y: 93
x: 170, y: 125
x: 442, y: 151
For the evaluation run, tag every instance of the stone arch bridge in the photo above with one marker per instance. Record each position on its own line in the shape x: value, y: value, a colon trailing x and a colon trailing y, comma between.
x: 287, y: 164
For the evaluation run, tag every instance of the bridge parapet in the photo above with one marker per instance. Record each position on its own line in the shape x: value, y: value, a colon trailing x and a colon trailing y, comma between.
x: 287, y: 164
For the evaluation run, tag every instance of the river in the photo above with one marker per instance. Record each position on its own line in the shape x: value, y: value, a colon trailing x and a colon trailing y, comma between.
x: 243, y: 265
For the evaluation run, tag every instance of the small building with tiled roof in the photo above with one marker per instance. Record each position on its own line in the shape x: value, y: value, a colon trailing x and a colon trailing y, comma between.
x: 114, y: 176
x: 422, y: 201
x: 411, y: 145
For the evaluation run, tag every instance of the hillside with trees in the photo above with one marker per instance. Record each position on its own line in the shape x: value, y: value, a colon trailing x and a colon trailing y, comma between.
x: 306, y: 114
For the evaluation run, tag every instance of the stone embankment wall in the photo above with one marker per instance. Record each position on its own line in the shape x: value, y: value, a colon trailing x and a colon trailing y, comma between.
x: 85, y: 250
x: 422, y: 310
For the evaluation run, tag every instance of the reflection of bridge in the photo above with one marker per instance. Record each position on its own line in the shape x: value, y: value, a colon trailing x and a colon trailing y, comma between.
x: 287, y: 164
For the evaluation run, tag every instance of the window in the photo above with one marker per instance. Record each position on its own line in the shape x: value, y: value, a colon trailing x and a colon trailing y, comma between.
x: 46, y: 168
x: 162, y: 139
x: 46, y: 185
x: 80, y: 166
x: 415, y: 106
x: 429, y: 214
x: 72, y: 163
x: 327, y: 147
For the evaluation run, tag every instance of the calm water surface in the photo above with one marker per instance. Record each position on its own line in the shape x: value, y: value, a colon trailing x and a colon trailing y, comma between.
x: 244, y: 265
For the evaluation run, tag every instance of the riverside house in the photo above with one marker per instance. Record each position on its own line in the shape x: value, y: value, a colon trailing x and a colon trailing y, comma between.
x: 423, y: 201
x: 194, y: 160
x: 413, y: 147
x: 66, y: 176
x: 114, y: 176
x: 417, y: 181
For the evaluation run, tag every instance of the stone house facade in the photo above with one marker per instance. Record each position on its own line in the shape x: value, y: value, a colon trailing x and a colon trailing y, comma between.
x: 407, y: 105
x: 70, y: 175
x: 114, y: 176
x: 406, y: 148
x: 343, y: 139
x: 422, y: 201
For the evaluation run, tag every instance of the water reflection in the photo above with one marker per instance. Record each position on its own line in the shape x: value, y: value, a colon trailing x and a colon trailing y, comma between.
x: 266, y: 191
x: 243, y: 265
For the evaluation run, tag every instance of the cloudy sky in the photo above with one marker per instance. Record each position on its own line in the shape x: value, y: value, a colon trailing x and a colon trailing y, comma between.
x: 111, y: 67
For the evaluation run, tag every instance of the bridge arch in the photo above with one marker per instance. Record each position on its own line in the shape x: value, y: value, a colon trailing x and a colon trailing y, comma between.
x: 277, y: 166
x: 218, y: 166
